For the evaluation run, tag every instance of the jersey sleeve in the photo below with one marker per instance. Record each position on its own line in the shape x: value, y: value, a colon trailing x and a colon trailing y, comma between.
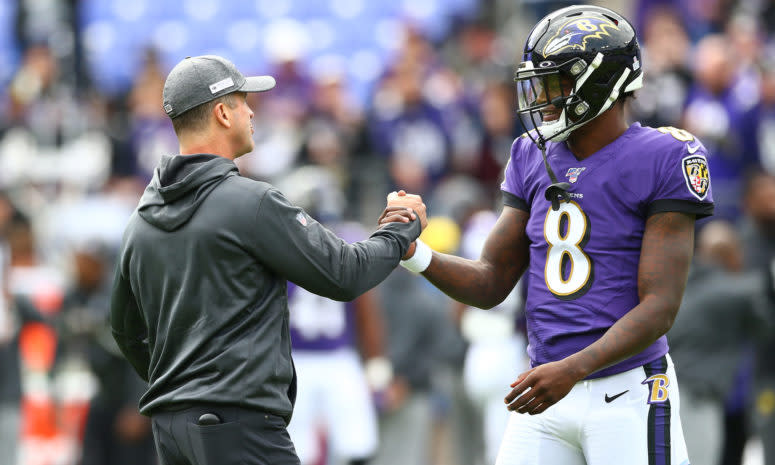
x: 683, y: 182
x: 513, y: 187
x: 293, y: 245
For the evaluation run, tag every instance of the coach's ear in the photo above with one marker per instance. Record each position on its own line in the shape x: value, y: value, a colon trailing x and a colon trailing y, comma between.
x: 222, y: 114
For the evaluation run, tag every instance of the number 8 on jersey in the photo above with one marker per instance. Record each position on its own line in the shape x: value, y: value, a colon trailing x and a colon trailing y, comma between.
x: 568, y: 271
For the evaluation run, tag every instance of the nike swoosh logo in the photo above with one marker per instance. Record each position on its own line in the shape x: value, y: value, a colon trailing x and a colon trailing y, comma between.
x: 691, y: 150
x: 608, y: 400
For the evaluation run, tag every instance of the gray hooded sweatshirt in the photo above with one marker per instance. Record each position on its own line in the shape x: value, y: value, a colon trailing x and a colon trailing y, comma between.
x: 199, y: 303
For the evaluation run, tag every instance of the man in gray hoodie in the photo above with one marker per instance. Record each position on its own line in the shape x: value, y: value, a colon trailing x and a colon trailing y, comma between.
x: 199, y: 302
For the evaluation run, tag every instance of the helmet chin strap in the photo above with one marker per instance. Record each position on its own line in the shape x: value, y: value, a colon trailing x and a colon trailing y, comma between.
x: 557, y: 190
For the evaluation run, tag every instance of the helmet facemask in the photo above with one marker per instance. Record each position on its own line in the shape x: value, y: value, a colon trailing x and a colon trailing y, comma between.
x: 556, y: 115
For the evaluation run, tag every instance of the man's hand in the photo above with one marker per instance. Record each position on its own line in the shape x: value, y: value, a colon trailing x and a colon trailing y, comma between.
x: 399, y: 214
x: 541, y: 387
x: 402, y: 199
x: 396, y: 214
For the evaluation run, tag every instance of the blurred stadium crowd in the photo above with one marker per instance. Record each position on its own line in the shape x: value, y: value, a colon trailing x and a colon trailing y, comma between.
x: 371, y: 96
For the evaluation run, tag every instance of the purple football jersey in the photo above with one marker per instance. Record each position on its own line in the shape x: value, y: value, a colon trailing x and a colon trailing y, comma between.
x: 584, y: 257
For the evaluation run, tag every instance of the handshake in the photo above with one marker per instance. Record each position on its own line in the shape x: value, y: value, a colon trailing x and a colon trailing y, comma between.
x: 403, y: 207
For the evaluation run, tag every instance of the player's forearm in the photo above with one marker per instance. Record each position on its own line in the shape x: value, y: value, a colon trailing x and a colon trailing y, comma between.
x: 666, y: 253
x: 629, y: 336
x: 486, y: 282
x: 468, y: 281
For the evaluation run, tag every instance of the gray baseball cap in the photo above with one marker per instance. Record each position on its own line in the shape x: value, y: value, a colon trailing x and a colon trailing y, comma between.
x: 198, y: 80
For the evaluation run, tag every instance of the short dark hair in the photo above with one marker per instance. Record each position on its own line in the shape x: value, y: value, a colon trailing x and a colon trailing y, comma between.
x: 196, y: 118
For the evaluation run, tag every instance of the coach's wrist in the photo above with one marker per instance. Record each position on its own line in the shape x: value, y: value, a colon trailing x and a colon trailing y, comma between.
x: 410, y: 251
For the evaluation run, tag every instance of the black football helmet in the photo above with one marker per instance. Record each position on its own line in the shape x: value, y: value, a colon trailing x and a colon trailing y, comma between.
x: 577, y: 62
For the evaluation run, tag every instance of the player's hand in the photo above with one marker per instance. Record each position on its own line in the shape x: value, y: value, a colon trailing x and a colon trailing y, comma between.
x: 401, y: 198
x: 541, y: 387
x: 396, y: 214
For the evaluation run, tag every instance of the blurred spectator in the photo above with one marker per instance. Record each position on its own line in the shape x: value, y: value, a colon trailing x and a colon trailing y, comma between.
x: 458, y: 197
x: 456, y: 437
x: 722, y: 310
x: 721, y: 118
x: 665, y: 57
x: 10, y: 382
x: 30, y: 276
x: 498, y: 126
x: 334, y: 139
x: 409, y: 131
x: 54, y: 23
x: 745, y: 33
x: 758, y: 223
x: 150, y: 131
x: 701, y: 17
x: 445, y: 90
x: 332, y: 104
x: 115, y: 432
x: 333, y: 339
x: 765, y: 115
x: 542, y: 8
x: 767, y: 13
x: 53, y: 143
x: 471, y: 52
x: 758, y: 238
x: 406, y: 410
x: 37, y: 289
x: 406, y: 127
x: 326, y: 335
x: 280, y: 114
x: 493, y: 344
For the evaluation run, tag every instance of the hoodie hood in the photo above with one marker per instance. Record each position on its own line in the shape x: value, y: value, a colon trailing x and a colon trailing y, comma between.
x: 180, y: 184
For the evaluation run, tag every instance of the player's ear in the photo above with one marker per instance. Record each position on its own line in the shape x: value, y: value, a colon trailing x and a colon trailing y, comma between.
x: 222, y: 114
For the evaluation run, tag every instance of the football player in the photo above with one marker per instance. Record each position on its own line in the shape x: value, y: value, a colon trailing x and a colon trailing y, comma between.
x: 602, y: 214
x: 328, y: 341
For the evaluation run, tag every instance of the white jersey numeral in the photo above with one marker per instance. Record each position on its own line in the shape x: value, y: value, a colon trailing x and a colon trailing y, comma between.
x: 567, y: 231
x: 680, y: 134
x: 315, y: 316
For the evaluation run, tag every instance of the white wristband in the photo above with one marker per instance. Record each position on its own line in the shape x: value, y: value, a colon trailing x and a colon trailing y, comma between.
x: 379, y: 373
x: 421, y: 258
